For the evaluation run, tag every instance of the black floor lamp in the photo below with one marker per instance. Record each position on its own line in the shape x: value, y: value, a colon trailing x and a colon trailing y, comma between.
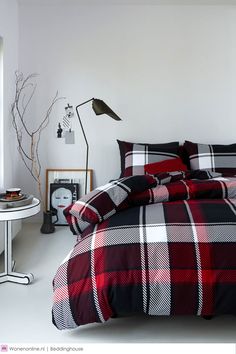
x: 99, y: 107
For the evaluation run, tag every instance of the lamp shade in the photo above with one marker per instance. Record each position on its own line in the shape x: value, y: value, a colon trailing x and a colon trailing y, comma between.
x: 100, y: 107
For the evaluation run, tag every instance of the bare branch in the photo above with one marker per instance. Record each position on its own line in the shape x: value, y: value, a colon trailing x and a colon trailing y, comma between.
x: 45, y: 121
x: 29, y: 149
x: 28, y: 101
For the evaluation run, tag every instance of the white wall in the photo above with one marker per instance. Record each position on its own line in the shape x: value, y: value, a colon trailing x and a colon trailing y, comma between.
x: 168, y: 71
x: 9, y: 35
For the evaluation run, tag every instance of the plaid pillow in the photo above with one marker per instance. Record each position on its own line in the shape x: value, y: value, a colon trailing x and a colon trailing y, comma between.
x: 218, y: 158
x: 135, y: 156
x: 103, y: 201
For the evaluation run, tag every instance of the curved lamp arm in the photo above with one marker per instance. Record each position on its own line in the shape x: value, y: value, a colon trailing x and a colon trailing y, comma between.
x: 99, y: 107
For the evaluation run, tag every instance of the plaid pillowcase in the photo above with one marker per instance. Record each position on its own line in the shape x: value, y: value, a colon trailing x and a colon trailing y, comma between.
x: 135, y: 156
x: 218, y: 158
x: 103, y: 201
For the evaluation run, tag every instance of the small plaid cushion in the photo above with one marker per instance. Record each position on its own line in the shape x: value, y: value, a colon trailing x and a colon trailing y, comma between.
x: 103, y: 201
x: 169, y: 165
x: 135, y: 156
x: 218, y: 158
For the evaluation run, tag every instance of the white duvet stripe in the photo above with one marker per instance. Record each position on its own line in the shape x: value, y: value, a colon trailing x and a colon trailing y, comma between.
x: 93, y: 277
x: 231, y: 206
x: 143, y: 267
x: 198, y: 259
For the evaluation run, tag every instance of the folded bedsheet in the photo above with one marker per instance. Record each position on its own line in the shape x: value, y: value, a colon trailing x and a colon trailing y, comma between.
x: 162, y: 245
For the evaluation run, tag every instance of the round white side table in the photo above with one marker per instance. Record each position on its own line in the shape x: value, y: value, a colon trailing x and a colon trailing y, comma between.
x: 7, y: 215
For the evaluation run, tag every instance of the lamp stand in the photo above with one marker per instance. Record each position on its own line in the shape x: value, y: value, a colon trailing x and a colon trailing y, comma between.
x: 86, y: 142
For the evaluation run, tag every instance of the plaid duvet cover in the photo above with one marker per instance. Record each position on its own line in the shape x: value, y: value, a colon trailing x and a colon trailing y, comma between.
x: 166, y: 250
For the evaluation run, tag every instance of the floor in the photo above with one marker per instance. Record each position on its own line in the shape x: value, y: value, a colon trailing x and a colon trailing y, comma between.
x: 25, y: 310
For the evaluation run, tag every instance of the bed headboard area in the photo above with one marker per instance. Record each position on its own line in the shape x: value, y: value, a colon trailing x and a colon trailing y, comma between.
x: 142, y: 158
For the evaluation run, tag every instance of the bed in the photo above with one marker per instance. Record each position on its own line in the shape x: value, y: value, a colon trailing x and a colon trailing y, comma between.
x: 159, y: 240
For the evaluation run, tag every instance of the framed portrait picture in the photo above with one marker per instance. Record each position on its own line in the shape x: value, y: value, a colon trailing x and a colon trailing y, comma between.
x: 63, y: 187
x: 61, y: 196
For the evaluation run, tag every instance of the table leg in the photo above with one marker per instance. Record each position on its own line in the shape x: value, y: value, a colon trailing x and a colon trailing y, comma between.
x: 8, y: 274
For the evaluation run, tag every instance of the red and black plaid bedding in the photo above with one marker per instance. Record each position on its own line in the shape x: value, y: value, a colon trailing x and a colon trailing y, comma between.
x: 165, y: 250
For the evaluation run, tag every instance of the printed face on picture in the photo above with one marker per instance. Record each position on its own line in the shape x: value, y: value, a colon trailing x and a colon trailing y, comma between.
x: 61, y: 198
